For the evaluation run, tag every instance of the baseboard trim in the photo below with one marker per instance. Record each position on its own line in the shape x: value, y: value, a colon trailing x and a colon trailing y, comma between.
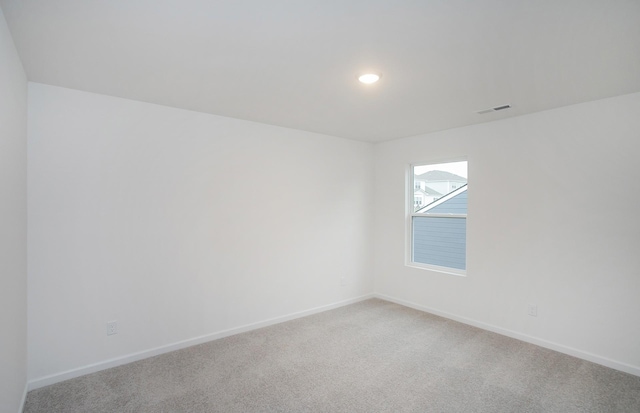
x: 118, y: 361
x: 24, y: 397
x: 627, y: 368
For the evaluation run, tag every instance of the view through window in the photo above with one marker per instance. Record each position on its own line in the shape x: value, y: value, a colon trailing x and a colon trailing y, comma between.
x: 438, y: 219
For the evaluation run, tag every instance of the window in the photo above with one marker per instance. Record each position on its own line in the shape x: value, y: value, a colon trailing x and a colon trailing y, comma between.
x: 438, y: 230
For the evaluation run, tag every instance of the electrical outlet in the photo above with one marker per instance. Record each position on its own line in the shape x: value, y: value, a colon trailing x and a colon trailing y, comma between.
x: 112, y: 328
x: 532, y: 310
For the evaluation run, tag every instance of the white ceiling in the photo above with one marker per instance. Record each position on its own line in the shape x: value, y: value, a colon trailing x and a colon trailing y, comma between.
x: 294, y: 63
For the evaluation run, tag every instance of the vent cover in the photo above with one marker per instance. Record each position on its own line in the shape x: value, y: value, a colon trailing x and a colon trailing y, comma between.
x: 497, y: 108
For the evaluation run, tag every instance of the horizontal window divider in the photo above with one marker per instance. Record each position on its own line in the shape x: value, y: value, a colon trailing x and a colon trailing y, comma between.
x: 440, y: 215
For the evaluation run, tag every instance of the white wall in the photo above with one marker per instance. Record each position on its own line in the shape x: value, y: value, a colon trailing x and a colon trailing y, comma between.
x: 143, y: 214
x: 13, y: 224
x: 536, y: 234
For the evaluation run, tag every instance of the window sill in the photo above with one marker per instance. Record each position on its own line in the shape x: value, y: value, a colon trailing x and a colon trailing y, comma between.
x: 435, y: 268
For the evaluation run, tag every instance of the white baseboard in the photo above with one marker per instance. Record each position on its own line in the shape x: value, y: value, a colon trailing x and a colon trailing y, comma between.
x: 24, y: 397
x: 627, y: 368
x: 118, y: 361
x: 92, y: 368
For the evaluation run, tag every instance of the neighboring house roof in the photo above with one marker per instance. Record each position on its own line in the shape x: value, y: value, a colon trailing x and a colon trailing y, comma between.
x: 439, y: 176
x: 442, y: 200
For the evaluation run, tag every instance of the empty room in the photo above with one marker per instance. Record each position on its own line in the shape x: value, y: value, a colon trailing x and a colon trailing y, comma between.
x: 319, y: 206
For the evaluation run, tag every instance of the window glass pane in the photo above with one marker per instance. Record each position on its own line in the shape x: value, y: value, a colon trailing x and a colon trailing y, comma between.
x: 432, y: 182
x: 440, y: 241
x: 439, y: 218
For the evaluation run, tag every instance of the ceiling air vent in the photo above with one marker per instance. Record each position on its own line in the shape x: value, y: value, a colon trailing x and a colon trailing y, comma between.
x: 497, y: 108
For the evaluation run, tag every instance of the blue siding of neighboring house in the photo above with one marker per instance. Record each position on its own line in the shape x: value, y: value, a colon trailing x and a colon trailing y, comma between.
x: 455, y: 205
x: 441, y: 241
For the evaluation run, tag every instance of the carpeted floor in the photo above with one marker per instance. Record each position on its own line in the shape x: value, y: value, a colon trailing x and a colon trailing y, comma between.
x: 373, y: 356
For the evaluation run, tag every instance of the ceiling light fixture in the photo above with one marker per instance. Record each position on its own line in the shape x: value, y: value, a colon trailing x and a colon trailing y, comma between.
x: 369, y: 78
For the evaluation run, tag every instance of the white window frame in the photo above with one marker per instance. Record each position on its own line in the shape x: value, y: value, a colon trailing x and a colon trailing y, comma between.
x: 410, y: 214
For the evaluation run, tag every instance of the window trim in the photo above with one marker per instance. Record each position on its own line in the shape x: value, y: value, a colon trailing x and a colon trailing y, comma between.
x: 410, y: 214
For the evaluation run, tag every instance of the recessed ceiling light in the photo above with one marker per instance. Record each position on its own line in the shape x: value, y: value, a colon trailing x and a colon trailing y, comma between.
x: 369, y: 78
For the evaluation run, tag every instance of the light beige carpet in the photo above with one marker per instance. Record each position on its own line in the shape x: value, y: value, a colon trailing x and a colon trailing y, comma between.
x: 373, y: 356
